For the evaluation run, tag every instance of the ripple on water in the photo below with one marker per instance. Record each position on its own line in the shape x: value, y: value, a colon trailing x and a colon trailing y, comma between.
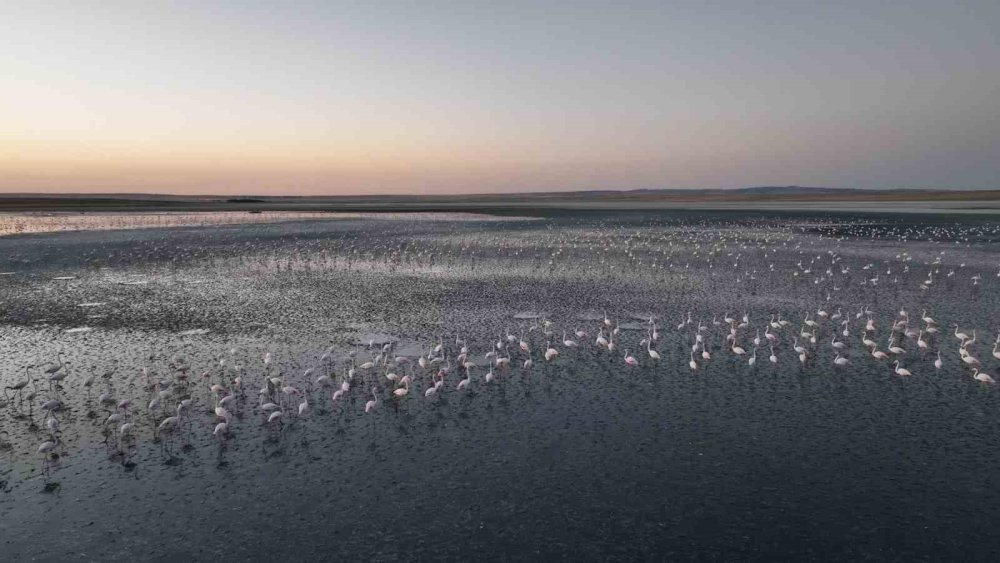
x: 578, y: 458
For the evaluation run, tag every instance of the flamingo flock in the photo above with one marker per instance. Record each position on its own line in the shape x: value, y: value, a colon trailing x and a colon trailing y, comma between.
x: 451, y: 366
x: 731, y: 297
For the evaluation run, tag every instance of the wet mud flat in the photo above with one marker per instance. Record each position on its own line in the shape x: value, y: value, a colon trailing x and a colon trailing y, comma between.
x: 578, y: 457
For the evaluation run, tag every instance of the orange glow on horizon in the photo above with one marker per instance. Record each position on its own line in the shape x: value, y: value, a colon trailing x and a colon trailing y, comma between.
x: 333, y: 98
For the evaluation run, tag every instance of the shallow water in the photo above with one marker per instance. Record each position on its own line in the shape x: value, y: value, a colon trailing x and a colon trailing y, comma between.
x: 581, y: 457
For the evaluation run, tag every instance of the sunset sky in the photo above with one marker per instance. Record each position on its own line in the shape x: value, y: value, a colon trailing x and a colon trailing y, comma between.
x: 465, y: 96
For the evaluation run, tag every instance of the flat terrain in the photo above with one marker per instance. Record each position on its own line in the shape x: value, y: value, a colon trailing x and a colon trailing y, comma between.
x: 791, y: 198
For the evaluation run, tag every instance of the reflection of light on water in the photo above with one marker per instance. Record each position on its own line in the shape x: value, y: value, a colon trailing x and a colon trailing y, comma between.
x: 303, y: 290
x: 24, y: 223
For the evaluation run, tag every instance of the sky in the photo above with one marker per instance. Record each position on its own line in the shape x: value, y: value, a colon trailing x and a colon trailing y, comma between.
x: 386, y: 97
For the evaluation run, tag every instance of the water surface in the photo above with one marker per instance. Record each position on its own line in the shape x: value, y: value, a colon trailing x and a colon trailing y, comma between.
x: 578, y: 458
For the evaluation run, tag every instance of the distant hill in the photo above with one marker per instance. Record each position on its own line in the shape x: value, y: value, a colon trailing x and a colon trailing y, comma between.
x: 790, y: 190
x: 786, y: 191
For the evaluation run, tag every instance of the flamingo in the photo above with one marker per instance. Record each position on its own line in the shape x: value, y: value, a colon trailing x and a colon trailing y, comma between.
x: 809, y: 322
x: 336, y: 395
x: 601, y: 340
x: 878, y: 354
x: 984, y: 377
x: 48, y: 446
x: 567, y: 342
x: 868, y: 342
x: 550, y: 352
x: 464, y: 383
x: 51, y: 369
x: 970, y: 359
x: 19, y: 386
x: 652, y: 353
x: 222, y: 413
x: 960, y: 335
x: 168, y: 423
x: 630, y: 360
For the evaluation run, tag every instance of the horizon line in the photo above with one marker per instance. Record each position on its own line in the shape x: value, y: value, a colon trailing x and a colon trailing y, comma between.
x: 55, y: 194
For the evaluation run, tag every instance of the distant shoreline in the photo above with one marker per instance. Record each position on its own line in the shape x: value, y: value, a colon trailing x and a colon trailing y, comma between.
x: 751, y: 199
